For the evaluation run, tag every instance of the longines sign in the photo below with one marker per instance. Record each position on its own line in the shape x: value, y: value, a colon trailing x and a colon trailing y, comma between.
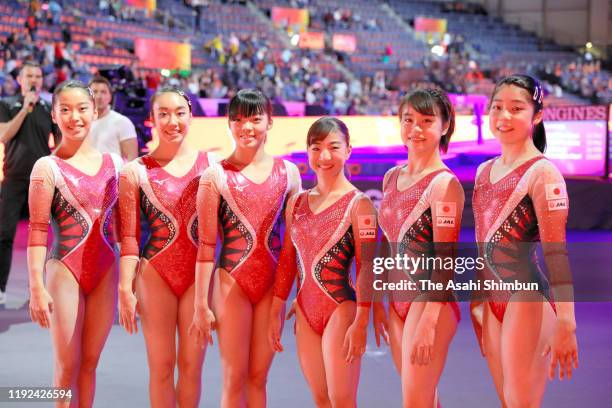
x: 558, y: 113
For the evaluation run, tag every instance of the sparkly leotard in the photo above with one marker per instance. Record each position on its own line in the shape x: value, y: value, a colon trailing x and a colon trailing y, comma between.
x: 169, y: 206
x: 80, y: 207
x: 249, y: 216
x: 407, y: 220
x: 323, y: 249
x: 527, y: 204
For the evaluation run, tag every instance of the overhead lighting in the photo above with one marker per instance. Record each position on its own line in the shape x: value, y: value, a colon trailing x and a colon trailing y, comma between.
x: 437, y: 50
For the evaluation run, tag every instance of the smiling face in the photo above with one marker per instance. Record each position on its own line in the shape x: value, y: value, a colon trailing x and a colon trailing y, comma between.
x: 421, y: 132
x: 73, y: 112
x: 249, y: 118
x: 511, y: 116
x: 327, y: 157
x: 171, y: 117
x: 250, y: 132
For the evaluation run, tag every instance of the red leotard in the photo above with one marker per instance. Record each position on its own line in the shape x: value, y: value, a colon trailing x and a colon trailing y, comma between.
x: 169, y: 205
x: 527, y: 203
x: 406, y: 217
x: 80, y: 208
x: 322, y: 253
x: 249, y: 217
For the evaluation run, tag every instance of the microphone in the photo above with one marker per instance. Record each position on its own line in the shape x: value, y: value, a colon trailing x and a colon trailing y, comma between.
x: 31, y: 105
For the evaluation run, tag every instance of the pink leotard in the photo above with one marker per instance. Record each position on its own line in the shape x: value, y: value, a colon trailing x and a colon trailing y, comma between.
x: 409, y: 217
x: 80, y: 207
x: 249, y: 217
x: 169, y: 206
x: 525, y: 205
x: 322, y: 252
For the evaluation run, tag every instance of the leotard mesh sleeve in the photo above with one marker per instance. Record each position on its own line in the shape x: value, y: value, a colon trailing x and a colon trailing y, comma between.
x: 548, y: 193
x: 287, y: 264
x: 446, y: 200
x: 42, y: 188
x: 365, y: 228
x: 207, y: 205
x: 129, y: 210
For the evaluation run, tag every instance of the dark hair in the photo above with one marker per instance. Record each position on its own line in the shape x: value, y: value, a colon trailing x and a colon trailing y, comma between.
x: 99, y: 79
x: 424, y: 101
x: 323, y: 127
x: 249, y: 102
x: 534, y: 89
x: 169, y: 89
x: 31, y: 64
x: 71, y: 84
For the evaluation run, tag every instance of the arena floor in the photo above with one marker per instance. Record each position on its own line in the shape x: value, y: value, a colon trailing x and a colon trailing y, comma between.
x: 25, y: 353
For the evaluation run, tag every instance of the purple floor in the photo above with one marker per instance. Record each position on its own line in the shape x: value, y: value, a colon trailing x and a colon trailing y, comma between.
x: 122, y: 374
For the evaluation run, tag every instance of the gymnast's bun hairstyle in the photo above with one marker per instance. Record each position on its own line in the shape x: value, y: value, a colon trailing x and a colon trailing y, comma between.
x: 324, y: 126
x: 71, y: 84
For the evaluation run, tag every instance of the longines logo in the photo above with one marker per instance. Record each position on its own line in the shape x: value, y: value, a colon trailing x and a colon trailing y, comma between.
x: 576, y: 113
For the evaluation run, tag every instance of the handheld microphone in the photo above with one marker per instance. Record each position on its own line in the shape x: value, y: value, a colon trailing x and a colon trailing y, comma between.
x: 31, y: 106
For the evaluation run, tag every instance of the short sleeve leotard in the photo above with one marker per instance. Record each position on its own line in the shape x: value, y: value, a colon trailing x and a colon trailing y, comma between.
x: 407, y: 220
x: 80, y: 208
x: 249, y: 216
x: 169, y: 206
x: 322, y: 254
x: 524, y: 206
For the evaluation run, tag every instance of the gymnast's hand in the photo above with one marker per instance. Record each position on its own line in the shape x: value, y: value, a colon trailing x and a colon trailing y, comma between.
x: 202, y: 325
x: 275, y: 323
x: 128, y: 309
x: 423, y: 341
x: 380, y: 322
x: 291, y: 311
x: 41, y: 307
x: 564, y: 348
x: 355, y: 340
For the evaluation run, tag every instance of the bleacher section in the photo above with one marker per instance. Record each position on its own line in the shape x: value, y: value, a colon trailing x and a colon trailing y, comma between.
x: 387, y: 47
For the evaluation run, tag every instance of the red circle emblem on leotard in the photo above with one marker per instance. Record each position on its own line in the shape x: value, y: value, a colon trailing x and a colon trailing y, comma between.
x: 556, y: 191
x: 445, y: 208
x: 367, y: 221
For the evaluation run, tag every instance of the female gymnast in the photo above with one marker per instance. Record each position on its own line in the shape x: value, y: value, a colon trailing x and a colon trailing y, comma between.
x: 163, y: 186
x: 327, y: 226
x: 519, y: 199
x: 244, y: 196
x: 422, y: 204
x: 76, y: 189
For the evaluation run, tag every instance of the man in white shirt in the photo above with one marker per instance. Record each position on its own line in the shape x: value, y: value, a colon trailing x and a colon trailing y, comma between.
x: 111, y: 132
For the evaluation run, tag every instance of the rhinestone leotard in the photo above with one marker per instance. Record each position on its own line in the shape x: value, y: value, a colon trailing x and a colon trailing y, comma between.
x: 80, y: 208
x: 322, y: 253
x: 249, y: 216
x: 169, y: 206
x: 406, y: 219
x: 527, y: 203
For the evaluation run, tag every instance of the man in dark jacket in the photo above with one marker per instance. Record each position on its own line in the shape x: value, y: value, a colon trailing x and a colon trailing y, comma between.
x: 25, y: 130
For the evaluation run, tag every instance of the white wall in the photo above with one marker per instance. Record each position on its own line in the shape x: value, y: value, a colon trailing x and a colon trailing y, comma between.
x: 572, y: 22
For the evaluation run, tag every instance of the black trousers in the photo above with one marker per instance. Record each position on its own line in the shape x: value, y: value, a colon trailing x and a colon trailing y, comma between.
x: 13, y: 205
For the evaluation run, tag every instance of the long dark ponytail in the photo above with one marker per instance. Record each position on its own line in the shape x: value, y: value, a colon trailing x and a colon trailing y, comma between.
x: 533, y: 87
